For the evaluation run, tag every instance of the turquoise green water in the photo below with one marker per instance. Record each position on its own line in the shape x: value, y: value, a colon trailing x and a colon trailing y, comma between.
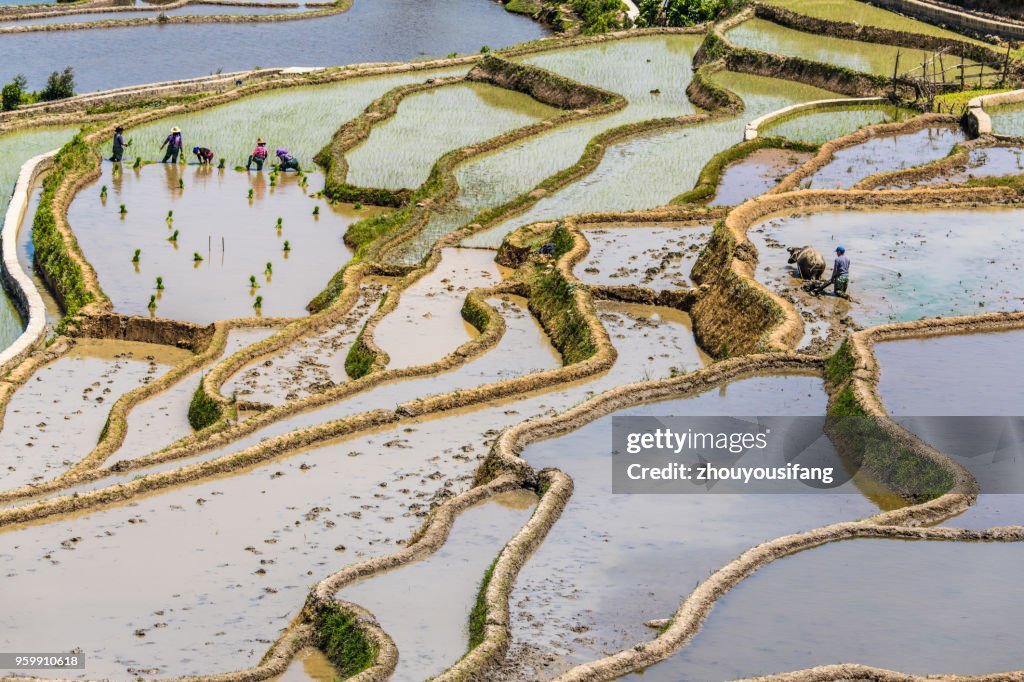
x: 301, y: 120
x: 648, y: 170
x: 821, y: 126
x: 401, y: 151
x: 15, y: 150
x: 632, y: 68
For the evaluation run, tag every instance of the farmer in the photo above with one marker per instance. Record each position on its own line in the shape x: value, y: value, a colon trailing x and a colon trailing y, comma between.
x: 119, y: 144
x: 258, y: 156
x: 288, y: 162
x: 204, y: 155
x: 840, y: 275
x: 173, y: 144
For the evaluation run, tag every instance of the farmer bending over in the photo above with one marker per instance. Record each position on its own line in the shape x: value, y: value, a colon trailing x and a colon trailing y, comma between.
x: 258, y: 156
x: 288, y: 162
x: 204, y: 155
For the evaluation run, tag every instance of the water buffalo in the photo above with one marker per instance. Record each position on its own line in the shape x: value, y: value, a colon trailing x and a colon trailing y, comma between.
x: 810, y: 262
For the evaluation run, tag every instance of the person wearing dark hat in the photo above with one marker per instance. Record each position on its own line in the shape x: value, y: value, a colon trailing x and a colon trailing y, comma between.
x: 119, y: 145
x: 204, y: 155
x: 173, y: 144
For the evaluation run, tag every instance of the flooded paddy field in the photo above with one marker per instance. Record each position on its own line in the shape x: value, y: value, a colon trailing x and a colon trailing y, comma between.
x: 878, y: 59
x: 55, y: 419
x: 310, y: 365
x: 905, y: 265
x: 982, y: 162
x: 288, y: 524
x: 962, y: 375
x: 756, y: 174
x: 1007, y: 119
x: 863, y: 601
x: 425, y: 606
x: 187, y: 10
x: 614, y: 561
x: 882, y: 154
x: 622, y: 182
x: 439, y: 120
x: 865, y: 15
x: 383, y: 30
x: 218, y: 264
x: 655, y: 90
x: 656, y: 257
x: 818, y: 127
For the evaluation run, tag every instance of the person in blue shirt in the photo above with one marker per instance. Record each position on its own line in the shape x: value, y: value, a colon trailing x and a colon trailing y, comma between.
x: 840, y: 278
x: 119, y: 145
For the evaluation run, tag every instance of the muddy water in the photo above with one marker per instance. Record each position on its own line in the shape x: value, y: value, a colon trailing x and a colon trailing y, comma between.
x: 425, y: 606
x: 429, y: 311
x: 863, y: 601
x: 15, y: 150
x: 633, y: 68
x: 310, y: 365
x: 871, y: 58
x: 658, y: 257
x: 382, y: 30
x: 960, y: 375
x: 882, y: 154
x: 163, y: 419
x: 309, y: 665
x: 987, y: 162
x: 755, y: 175
x: 865, y: 15
x: 613, y: 562
x: 55, y: 419
x: 26, y: 254
x: 401, y: 151
x: 230, y: 130
x: 622, y: 181
x: 218, y: 594
x: 822, y: 126
x: 236, y: 239
x: 905, y: 265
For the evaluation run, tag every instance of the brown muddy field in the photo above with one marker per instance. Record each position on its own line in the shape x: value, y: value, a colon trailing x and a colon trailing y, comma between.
x: 656, y: 257
x: 756, y: 174
x: 235, y: 237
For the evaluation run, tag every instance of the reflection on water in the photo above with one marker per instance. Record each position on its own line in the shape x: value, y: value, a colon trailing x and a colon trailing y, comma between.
x: 373, y: 30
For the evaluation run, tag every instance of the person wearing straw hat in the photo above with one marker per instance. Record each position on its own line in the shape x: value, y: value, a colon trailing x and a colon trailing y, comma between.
x: 173, y: 144
x: 258, y: 156
x: 119, y: 145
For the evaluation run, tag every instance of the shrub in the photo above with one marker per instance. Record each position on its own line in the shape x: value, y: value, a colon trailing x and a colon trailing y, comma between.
x: 13, y: 93
x: 203, y: 410
x: 682, y: 12
x: 60, y: 85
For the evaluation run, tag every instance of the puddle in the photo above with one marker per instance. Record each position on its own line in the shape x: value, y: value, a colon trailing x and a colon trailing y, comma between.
x: 754, y: 175
x: 622, y: 182
x: 429, y: 311
x: 863, y: 601
x: 15, y: 149
x: 310, y: 365
x: 379, y: 31
x: 231, y: 129
x: 865, y: 15
x: 210, y: 604
x: 309, y: 665
x: 821, y: 126
x: 873, y: 58
x: 234, y: 237
x: 425, y: 606
x: 633, y: 68
x: 163, y: 419
x: 959, y: 375
x: 439, y: 120
x: 55, y: 418
x: 881, y: 154
x: 905, y: 265
x: 615, y: 561
x: 657, y: 257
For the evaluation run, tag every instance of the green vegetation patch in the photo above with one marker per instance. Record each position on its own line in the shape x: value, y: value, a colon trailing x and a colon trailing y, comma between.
x: 528, y: 7
x: 553, y: 301
x: 203, y: 411
x: 341, y: 639
x: 478, y: 614
x: 839, y: 366
x: 683, y: 12
x: 360, y: 359
x: 53, y: 254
